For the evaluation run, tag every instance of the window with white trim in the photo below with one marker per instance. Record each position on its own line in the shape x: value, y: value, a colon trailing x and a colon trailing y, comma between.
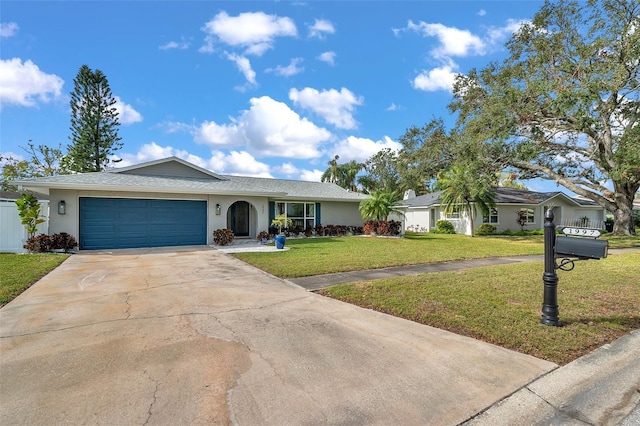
x: 492, y: 217
x: 302, y: 215
x: 528, y: 215
x: 454, y: 213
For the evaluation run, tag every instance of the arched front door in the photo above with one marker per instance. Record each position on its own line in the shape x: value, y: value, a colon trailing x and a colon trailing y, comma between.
x: 238, y: 218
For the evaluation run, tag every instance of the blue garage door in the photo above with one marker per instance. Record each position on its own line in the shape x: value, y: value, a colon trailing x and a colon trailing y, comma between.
x: 107, y: 223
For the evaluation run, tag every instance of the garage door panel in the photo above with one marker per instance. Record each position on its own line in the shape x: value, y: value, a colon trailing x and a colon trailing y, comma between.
x: 130, y: 223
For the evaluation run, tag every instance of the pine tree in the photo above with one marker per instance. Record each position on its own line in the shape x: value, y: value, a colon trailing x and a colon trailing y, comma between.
x: 94, y: 123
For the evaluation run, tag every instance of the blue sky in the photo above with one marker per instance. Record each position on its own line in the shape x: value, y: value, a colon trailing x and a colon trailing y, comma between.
x: 269, y: 89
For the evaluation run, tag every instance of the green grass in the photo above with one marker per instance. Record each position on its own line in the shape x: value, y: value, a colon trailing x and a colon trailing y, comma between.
x: 19, y: 271
x: 598, y: 302
x: 623, y: 242
x: 314, y: 256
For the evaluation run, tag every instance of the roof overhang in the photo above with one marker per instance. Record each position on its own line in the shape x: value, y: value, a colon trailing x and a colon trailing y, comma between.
x: 46, y: 187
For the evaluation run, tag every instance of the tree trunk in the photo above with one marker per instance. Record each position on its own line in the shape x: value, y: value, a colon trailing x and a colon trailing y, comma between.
x: 623, y: 214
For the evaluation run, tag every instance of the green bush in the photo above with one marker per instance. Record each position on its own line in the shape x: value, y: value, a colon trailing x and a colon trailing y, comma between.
x: 486, y: 229
x: 444, y: 227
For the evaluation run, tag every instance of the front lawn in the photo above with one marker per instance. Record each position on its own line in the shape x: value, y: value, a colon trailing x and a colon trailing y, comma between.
x: 598, y: 302
x: 19, y: 271
x: 315, y: 256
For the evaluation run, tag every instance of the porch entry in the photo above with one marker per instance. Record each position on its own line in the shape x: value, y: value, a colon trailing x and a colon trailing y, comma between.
x: 238, y: 218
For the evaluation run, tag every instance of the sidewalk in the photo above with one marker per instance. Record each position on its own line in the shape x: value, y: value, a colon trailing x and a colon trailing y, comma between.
x: 318, y: 282
x: 600, y: 388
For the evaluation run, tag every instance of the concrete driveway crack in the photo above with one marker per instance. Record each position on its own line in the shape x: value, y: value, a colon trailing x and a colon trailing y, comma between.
x: 155, y: 396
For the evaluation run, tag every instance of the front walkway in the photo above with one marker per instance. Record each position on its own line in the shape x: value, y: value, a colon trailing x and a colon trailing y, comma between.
x: 318, y: 282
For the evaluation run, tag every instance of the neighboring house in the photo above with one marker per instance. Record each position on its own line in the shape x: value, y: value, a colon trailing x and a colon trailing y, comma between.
x: 171, y: 202
x: 13, y: 234
x: 421, y: 213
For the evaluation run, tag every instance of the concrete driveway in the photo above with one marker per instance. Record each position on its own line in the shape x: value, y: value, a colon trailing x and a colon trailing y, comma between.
x: 195, y: 336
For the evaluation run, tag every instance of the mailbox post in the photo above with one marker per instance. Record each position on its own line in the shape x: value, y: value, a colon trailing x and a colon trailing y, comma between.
x: 569, y: 249
x: 550, y: 277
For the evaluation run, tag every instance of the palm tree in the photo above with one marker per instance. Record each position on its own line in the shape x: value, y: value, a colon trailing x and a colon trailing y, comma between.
x: 380, y: 205
x: 467, y: 190
x: 332, y: 174
x: 348, y: 174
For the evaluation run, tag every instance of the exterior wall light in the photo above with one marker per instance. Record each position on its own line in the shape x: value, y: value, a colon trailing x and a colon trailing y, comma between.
x: 218, y: 210
x: 62, y: 207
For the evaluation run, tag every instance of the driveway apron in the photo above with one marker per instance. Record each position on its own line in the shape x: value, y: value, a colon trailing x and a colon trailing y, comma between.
x: 194, y: 336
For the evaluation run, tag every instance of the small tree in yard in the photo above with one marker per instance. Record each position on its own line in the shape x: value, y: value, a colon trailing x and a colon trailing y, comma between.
x: 466, y: 188
x: 380, y: 205
x: 29, y: 212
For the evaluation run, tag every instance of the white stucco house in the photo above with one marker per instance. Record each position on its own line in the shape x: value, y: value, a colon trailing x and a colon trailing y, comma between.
x: 421, y: 213
x: 171, y: 202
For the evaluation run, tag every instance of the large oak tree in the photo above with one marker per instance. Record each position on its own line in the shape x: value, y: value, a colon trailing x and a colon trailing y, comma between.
x: 565, y: 104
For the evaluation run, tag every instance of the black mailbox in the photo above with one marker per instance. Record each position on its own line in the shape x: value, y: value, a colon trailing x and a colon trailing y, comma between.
x: 583, y: 248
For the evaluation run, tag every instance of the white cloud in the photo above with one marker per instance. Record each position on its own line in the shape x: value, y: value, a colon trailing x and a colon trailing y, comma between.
x: 267, y: 128
x: 253, y: 31
x: 153, y: 151
x: 244, y: 66
x: 239, y: 163
x: 208, y: 46
x: 360, y: 149
x: 328, y: 57
x: 24, y: 84
x: 453, y: 41
x: 392, y: 107
x: 126, y: 113
x: 273, y: 129
x: 8, y: 29
x: 175, y: 45
x: 441, y: 78
x: 335, y: 107
x: 233, y: 163
x: 497, y: 35
x: 288, y: 169
x: 320, y: 28
x: 481, y: 12
x: 314, y: 175
x: 6, y: 155
x: 289, y: 70
x: 219, y: 135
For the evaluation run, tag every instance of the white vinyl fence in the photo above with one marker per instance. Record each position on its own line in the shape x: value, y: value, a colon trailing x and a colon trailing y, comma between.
x: 12, y: 232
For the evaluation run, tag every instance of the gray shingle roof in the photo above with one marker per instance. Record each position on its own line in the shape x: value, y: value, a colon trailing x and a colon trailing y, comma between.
x: 126, y: 179
x: 299, y: 189
x: 502, y: 196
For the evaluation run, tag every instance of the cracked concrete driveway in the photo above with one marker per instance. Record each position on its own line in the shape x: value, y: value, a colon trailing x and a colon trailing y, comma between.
x: 194, y: 336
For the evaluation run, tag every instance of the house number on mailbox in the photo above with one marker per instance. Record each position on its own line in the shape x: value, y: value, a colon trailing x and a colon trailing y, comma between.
x: 582, y: 232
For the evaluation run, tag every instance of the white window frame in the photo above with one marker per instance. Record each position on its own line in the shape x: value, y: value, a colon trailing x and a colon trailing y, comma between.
x: 531, y: 215
x: 454, y: 214
x: 490, y: 216
x: 282, y: 207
